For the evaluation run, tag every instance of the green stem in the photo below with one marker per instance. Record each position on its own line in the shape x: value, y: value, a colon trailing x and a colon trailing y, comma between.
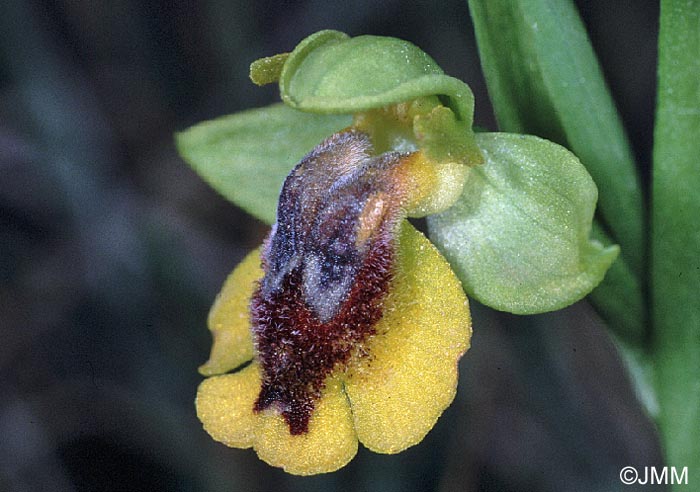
x: 675, y: 242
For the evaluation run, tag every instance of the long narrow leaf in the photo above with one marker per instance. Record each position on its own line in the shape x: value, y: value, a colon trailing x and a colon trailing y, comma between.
x: 676, y: 233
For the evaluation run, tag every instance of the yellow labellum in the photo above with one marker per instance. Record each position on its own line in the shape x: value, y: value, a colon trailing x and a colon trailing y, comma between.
x: 388, y: 400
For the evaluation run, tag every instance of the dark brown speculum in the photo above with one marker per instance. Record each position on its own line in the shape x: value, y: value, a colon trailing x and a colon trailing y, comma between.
x: 328, y: 266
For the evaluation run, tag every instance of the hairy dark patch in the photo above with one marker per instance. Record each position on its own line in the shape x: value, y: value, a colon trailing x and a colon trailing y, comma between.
x: 297, y: 351
x: 328, y: 264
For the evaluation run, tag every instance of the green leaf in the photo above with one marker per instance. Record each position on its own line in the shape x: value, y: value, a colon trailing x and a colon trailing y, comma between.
x: 518, y: 236
x: 543, y: 78
x: 329, y: 72
x: 676, y: 238
x: 246, y: 156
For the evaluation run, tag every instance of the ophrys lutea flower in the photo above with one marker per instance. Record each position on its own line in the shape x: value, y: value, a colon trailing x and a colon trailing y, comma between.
x: 352, y: 321
x: 346, y: 326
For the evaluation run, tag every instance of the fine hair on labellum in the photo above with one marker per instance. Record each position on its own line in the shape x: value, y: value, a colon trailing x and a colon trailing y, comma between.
x: 328, y: 266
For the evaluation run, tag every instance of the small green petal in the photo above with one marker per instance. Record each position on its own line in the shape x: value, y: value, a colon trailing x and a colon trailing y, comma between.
x: 267, y: 70
x: 443, y: 139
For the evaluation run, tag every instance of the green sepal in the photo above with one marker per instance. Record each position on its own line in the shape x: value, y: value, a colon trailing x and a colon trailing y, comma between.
x: 329, y: 72
x: 518, y: 237
x: 246, y: 156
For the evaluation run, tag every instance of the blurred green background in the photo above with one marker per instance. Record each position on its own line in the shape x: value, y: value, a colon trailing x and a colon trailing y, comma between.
x: 112, y: 250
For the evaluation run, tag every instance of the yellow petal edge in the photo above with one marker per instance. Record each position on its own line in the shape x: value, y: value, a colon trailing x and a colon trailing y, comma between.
x: 329, y: 445
x: 229, y: 318
x: 410, y: 378
x: 225, y: 407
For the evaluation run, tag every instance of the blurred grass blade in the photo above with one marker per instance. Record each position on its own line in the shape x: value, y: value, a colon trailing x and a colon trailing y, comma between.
x: 246, y: 156
x: 543, y: 78
x: 676, y: 236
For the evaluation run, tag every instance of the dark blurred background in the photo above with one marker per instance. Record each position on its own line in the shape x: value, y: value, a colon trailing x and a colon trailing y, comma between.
x: 112, y: 250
